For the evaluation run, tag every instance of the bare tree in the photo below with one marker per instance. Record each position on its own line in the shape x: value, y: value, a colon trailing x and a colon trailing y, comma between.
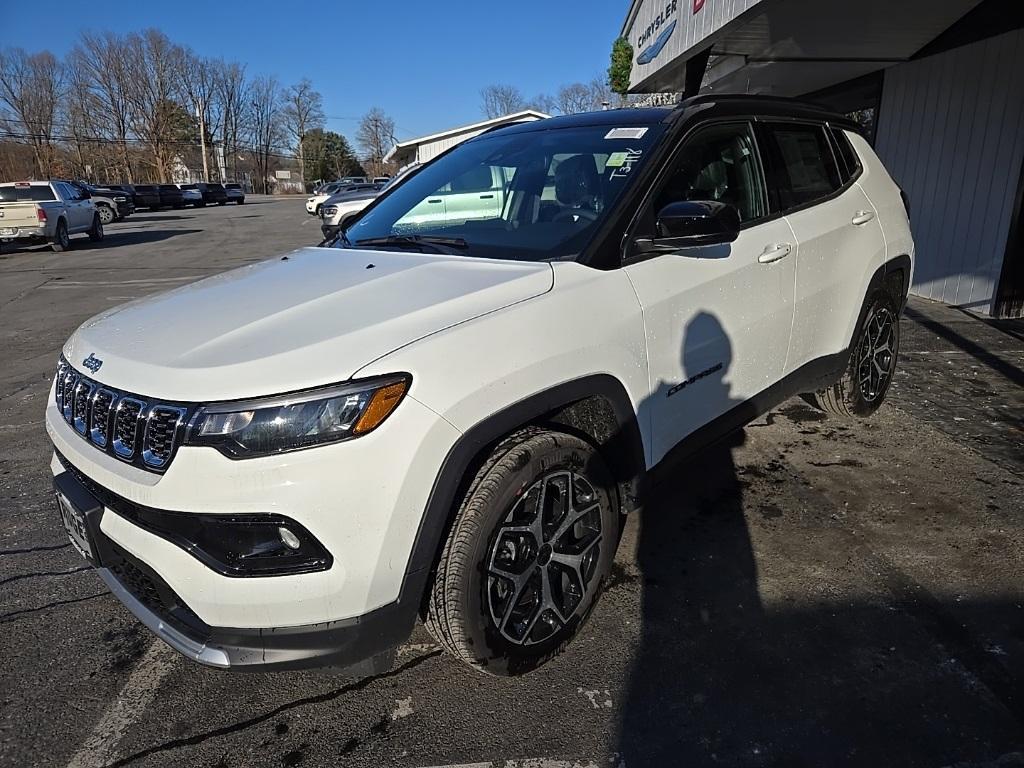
x: 31, y: 86
x: 102, y: 61
x: 543, y: 102
x: 574, y: 98
x: 601, y: 93
x: 303, y: 110
x: 375, y: 136
x: 265, y: 124
x: 498, y: 100
x: 154, y: 114
x: 233, y: 94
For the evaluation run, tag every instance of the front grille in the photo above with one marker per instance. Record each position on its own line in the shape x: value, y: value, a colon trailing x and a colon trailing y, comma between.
x: 135, y: 429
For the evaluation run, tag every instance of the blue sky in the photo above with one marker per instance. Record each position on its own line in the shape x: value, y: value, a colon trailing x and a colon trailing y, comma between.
x: 424, y: 64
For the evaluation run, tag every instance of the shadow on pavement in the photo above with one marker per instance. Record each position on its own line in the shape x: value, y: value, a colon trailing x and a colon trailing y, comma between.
x: 115, y: 239
x: 718, y: 678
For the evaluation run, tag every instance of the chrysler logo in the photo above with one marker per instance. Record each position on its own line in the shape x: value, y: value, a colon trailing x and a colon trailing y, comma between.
x: 92, y: 362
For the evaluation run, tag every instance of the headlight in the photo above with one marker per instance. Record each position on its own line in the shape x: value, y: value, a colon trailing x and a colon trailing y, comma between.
x: 244, y: 429
x: 119, y: 199
x: 328, y: 211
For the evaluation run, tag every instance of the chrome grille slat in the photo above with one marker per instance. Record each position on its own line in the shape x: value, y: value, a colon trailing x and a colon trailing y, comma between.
x: 103, y: 402
x: 136, y: 430
x: 127, y: 416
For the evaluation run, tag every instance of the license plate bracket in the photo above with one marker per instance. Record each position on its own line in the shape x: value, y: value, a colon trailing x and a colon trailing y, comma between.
x: 80, y: 514
x: 6, y: 230
x: 76, y: 527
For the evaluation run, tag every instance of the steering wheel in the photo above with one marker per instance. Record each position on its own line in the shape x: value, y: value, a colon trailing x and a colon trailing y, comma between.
x: 575, y: 214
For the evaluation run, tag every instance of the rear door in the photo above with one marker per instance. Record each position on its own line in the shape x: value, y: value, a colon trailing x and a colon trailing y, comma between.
x: 839, y: 240
x: 717, y: 318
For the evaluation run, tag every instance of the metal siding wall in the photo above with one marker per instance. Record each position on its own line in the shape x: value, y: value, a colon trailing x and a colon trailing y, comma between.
x: 951, y: 132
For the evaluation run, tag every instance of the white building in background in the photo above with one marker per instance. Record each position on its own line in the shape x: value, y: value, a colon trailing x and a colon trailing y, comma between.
x: 939, y: 85
x: 428, y: 147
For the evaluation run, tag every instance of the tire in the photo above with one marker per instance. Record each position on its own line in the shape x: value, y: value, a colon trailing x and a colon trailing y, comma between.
x: 240, y: 202
x: 222, y: 202
x: 106, y: 214
x: 873, y: 357
x: 200, y: 205
x: 61, y: 242
x: 504, y: 626
x: 317, y: 211
x: 96, y: 230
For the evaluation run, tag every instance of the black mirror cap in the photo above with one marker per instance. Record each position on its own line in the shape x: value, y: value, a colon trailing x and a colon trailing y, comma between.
x: 698, y: 222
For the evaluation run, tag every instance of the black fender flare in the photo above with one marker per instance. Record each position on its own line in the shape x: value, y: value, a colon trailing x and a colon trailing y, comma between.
x: 625, y: 454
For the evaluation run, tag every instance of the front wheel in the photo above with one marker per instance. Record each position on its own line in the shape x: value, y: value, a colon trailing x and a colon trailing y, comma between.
x: 872, y: 363
x: 106, y: 214
x: 531, y: 544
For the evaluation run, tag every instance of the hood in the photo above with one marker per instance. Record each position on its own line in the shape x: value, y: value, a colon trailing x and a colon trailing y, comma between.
x: 311, y: 318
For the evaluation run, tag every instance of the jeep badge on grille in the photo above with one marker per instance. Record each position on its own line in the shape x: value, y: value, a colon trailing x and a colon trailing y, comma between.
x: 92, y: 362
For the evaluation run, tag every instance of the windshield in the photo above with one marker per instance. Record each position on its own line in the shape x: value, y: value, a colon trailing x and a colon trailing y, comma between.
x: 525, y: 196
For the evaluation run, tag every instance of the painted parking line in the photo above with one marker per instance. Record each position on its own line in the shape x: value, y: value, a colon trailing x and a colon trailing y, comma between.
x: 101, y: 746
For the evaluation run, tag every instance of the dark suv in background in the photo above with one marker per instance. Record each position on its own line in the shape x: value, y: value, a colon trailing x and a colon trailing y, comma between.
x: 170, y: 196
x: 147, y: 196
x: 212, y: 193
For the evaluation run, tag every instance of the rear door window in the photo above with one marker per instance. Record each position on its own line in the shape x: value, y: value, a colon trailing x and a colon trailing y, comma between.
x: 805, y: 167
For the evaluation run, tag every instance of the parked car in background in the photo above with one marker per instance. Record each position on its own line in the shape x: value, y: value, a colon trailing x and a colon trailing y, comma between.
x: 111, y: 204
x: 381, y: 179
x: 170, y: 196
x: 47, y: 212
x: 314, y: 202
x: 147, y: 196
x: 129, y: 190
x: 212, y: 192
x: 352, y: 180
x: 235, y: 193
x: 337, y: 210
x: 190, y: 195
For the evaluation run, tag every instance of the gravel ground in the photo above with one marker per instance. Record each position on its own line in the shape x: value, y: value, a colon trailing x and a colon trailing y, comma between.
x: 810, y: 593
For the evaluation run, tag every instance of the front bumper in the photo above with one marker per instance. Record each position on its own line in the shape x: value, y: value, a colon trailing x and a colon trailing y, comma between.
x: 330, y: 231
x: 369, y: 638
x: 362, y: 499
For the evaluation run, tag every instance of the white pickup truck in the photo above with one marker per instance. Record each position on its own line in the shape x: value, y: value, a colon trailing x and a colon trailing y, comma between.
x: 47, y: 211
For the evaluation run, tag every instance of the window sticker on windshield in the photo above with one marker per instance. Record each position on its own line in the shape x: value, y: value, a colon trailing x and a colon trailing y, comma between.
x: 621, y: 163
x: 626, y: 133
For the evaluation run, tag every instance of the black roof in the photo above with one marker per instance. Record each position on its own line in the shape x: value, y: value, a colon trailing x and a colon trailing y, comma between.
x: 723, y: 104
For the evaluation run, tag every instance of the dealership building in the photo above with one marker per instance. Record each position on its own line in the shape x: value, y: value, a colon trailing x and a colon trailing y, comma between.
x: 937, y: 84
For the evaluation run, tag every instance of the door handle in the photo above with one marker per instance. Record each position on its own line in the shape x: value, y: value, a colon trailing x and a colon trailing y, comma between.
x: 435, y: 200
x: 486, y: 197
x: 774, y: 253
x: 862, y: 217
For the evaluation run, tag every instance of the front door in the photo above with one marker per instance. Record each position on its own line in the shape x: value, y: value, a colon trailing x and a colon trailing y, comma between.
x: 717, y: 318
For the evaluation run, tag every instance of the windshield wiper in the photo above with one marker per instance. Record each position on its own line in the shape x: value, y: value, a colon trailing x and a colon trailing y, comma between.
x: 435, y: 244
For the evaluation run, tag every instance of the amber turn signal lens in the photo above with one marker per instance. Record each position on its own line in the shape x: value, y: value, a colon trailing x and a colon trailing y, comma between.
x: 381, y: 405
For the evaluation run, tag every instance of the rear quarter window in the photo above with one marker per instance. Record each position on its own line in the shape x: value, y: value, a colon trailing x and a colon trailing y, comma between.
x: 805, y: 166
x: 848, y: 160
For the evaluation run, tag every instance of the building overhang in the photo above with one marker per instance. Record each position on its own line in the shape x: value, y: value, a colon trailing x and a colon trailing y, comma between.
x: 781, y: 47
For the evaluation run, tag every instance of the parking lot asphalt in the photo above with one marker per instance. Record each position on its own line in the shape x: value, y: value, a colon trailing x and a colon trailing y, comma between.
x: 811, y: 592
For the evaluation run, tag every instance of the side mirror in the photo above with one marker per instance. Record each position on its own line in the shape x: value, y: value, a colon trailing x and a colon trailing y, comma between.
x: 696, y: 222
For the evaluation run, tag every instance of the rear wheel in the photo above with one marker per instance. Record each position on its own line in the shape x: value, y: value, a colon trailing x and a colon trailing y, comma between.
x: 96, y: 230
x: 531, y: 544
x: 872, y: 363
x: 61, y: 241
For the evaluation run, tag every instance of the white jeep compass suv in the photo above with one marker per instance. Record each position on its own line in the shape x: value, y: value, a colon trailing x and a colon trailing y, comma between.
x: 445, y: 415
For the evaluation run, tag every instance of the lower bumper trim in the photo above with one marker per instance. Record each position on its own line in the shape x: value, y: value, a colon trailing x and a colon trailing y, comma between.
x: 201, y: 652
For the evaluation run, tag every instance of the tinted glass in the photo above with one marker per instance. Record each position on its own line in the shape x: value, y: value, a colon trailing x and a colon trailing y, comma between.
x: 25, y: 194
x: 189, y: 186
x: 848, y: 157
x: 145, y: 188
x: 554, y: 188
x: 233, y: 186
x: 718, y: 163
x: 807, y: 169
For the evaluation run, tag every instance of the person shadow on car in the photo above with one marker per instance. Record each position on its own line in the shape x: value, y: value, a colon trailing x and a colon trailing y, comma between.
x: 698, y: 573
